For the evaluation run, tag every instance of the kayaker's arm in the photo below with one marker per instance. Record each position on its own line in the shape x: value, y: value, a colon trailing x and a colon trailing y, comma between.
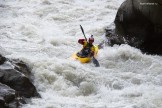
x: 81, y: 41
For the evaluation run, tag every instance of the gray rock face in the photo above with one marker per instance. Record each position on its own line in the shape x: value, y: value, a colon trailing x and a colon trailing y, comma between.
x: 139, y: 24
x: 2, y: 59
x: 7, y: 95
x: 15, y: 83
x: 18, y: 82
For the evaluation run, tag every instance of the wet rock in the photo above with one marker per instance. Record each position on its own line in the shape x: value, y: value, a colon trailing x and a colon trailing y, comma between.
x: 2, y: 59
x: 138, y: 23
x: 18, y: 82
x: 22, y: 67
x: 2, y: 102
x: 7, y: 95
x: 15, y: 83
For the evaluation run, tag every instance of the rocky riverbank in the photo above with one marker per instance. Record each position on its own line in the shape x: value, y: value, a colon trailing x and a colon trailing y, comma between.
x: 15, y: 83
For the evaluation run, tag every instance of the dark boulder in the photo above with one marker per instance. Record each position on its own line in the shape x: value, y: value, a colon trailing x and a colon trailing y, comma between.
x: 7, y: 95
x: 18, y: 82
x: 2, y: 102
x: 15, y: 83
x: 21, y: 67
x: 2, y: 59
x: 138, y: 23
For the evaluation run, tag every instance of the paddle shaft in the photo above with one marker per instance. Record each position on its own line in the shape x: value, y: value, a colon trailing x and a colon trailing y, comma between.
x: 83, y: 33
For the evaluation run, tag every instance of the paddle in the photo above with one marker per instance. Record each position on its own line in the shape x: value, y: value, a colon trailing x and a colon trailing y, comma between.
x: 83, y: 33
x: 93, y: 58
x: 95, y: 61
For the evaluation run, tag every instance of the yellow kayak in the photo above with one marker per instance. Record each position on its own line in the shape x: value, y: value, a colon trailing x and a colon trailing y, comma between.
x: 85, y: 59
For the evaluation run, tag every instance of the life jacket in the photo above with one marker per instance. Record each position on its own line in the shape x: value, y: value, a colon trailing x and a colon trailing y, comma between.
x: 87, y: 48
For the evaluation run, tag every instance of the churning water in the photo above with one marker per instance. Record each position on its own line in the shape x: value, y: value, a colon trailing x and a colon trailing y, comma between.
x: 44, y: 34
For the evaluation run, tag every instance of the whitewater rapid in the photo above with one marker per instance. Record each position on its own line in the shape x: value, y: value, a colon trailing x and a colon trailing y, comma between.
x: 44, y: 34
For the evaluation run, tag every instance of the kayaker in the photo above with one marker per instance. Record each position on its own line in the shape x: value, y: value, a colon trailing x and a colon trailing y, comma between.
x: 88, y: 47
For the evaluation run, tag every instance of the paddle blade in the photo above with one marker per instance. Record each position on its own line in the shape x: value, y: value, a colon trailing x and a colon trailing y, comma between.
x: 95, y: 62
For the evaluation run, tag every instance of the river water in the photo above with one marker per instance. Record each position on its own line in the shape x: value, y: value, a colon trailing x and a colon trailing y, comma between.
x: 44, y: 34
